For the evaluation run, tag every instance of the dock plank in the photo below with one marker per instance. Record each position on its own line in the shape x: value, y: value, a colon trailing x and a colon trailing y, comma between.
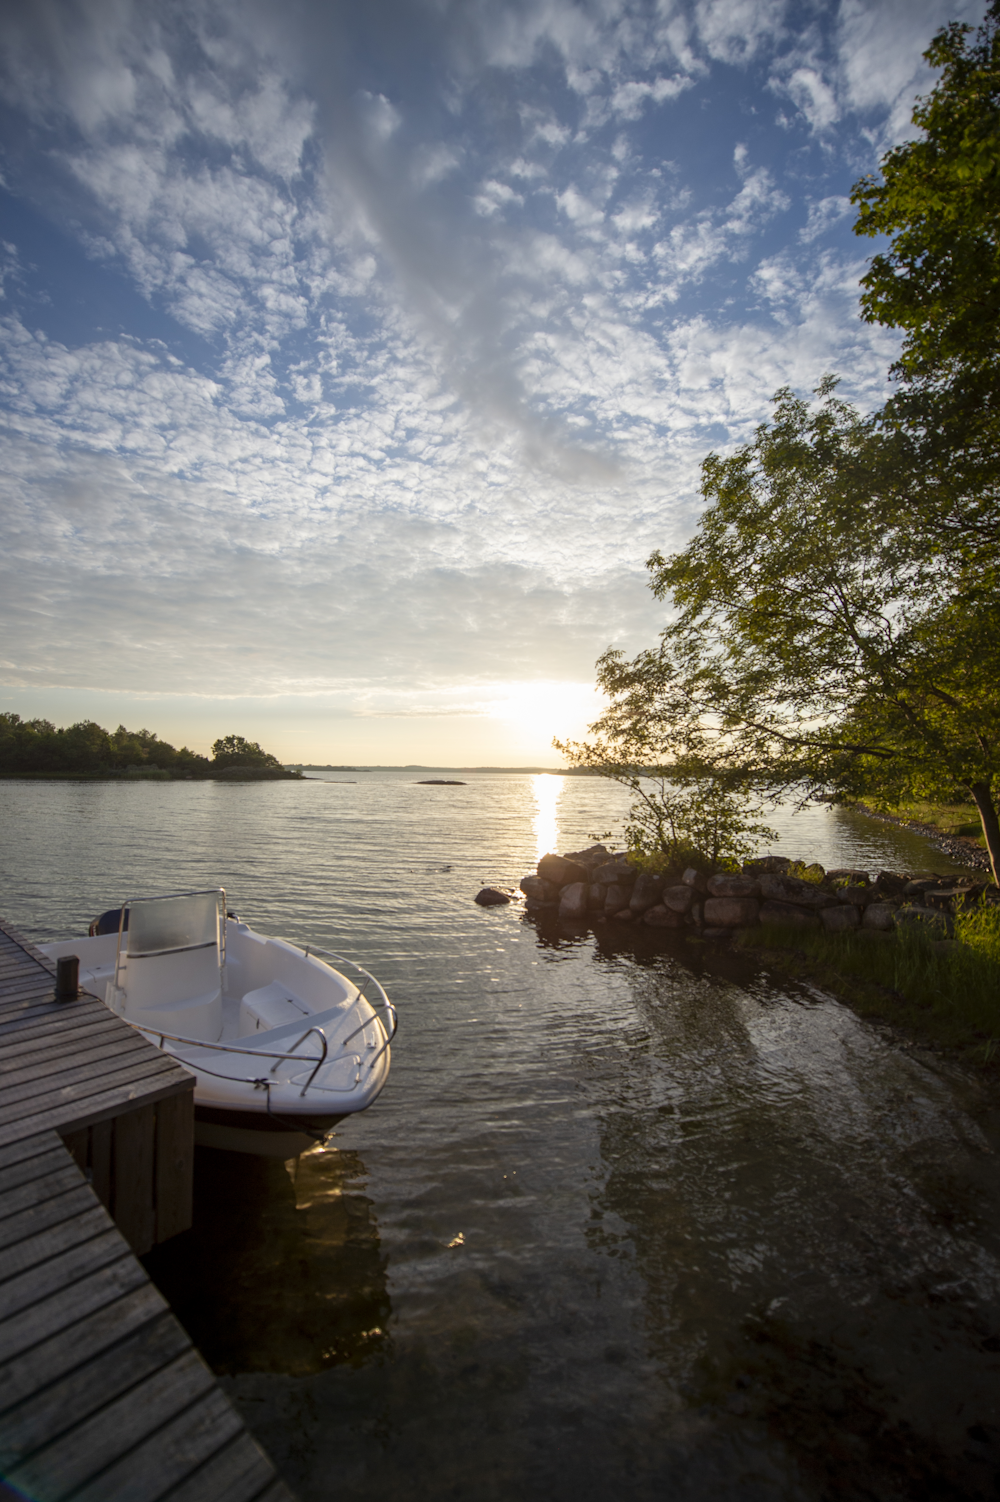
x: 102, y: 1396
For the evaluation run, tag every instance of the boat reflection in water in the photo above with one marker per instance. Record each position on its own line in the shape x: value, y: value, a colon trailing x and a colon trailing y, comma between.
x: 282, y: 1271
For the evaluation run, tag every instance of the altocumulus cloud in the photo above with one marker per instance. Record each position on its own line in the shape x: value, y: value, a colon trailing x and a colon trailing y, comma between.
x: 379, y: 344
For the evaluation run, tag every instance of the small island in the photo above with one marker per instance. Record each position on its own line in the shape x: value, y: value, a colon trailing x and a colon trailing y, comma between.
x: 36, y: 748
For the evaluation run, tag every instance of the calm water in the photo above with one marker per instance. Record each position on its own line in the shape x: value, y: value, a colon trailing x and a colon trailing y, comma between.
x: 628, y: 1221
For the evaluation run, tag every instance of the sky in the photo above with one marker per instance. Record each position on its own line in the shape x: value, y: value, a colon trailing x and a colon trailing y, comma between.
x: 354, y: 358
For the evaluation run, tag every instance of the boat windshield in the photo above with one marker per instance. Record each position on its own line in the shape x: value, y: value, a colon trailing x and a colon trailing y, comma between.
x: 158, y: 925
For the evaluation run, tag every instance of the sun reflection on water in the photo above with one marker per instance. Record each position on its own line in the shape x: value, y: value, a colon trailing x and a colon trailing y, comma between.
x: 547, y: 790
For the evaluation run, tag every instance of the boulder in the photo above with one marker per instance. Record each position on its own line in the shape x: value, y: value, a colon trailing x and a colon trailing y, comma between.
x: 596, y: 897
x: 591, y: 858
x: 617, y: 898
x: 659, y: 916
x: 625, y: 916
x: 491, y: 897
x: 733, y: 886
x: 773, y: 864
x: 537, y: 890
x: 731, y: 912
x: 646, y: 892
x: 802, y: 893
x: 879, y: 915
x: 840, y: 919
x: 617, y: 873
x: 573, y: 900
x: 775, y: 911
x: 860, y: 896
x: 557, y: 869
x: 678, y: 899
x: 926, y: 916
x: 693, y: 878
x: 889, y: 884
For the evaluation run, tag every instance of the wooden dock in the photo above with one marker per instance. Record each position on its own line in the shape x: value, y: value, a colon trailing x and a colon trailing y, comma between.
x: 103, y: 1398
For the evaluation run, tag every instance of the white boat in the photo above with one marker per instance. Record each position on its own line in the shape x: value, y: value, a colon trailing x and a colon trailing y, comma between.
x: 283, y: 1044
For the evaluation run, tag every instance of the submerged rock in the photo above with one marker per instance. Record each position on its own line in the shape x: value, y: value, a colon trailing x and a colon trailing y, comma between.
x: 491, y: 897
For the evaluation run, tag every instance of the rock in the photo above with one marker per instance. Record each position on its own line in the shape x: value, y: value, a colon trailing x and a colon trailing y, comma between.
x: 815, y: 872
x: 556, y: 869
x: 717, y: 933
x: 840, y: 919
x: 733, y: 886
x: 775, y: 911
x: 646, y: 891
x: 693, y: 878
x: 538, y: 890
x: 860, y: 896
x: 880, y: 916
x: 773, y: 864
x: 731, y: 912
x: 678, y: 899
x: 891, y: 885
x: 695, y: 915
x: 920, y: 884
x: 615, y: 873
x: 802, y: 893
x: 616, y: 899
x: 625, y: 916
x: 848, y: 875
x: 573, y: 900
x: 596, y: 897
x: 662, y: 917
x: 490, y: 897
x: 594, y: 856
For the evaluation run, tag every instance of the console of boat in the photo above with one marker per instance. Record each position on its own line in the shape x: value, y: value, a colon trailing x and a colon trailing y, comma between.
x: 284, y: 1042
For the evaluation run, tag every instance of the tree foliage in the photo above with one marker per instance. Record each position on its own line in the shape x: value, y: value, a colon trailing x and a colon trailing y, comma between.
x: 938, y: 200
x: 234, y: 751
x: 818, y: 639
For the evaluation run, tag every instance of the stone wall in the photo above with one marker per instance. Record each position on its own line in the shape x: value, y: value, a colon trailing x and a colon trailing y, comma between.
x: 595, y: 885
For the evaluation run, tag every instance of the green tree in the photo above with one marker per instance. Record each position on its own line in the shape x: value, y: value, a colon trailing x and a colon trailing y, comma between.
x: 938, y: 200
x: 817, y: 639
x: 234, y: 751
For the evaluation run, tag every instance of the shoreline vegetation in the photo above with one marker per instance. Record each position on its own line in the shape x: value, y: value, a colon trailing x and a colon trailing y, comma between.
x: 87, y: 752
x: 916, y: 950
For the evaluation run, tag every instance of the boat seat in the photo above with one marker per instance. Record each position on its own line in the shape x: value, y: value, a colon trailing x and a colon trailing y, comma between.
x: 270, y: 1006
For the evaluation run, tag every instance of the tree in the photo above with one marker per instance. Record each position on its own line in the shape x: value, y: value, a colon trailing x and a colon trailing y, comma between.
x: 818, y: 639
x: 939, y: 282
x: 234, y: 751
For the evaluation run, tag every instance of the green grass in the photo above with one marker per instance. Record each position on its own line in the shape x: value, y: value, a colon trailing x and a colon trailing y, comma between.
x: 948, y: 994
x: 949, y: 818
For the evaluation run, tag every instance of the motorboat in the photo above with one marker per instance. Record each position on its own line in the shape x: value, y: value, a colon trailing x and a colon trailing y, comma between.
x: 284, y: 1041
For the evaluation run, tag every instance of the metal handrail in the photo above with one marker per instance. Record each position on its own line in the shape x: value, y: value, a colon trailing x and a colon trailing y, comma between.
x: 384, y: 1003
x: 322, y: 1057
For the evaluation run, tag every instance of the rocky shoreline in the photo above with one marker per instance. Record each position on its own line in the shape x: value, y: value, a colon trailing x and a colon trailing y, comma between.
x: 969, y: 852
x: 597, y: 886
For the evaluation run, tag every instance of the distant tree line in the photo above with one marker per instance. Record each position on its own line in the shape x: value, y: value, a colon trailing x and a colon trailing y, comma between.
x: 34, y: 747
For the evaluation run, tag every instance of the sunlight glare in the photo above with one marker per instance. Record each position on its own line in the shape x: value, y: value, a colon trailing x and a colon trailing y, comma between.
x: 547, y: 790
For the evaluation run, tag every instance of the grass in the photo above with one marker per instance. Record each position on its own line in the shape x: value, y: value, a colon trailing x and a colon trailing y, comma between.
x: 950, y: 818
x: 947, y: 994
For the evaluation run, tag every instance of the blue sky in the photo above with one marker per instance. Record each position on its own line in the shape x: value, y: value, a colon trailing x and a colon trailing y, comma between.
x: 353, y: 358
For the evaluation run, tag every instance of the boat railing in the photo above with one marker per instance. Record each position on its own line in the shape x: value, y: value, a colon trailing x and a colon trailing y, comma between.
x: 378, y: 1003
x: 266, y: 1053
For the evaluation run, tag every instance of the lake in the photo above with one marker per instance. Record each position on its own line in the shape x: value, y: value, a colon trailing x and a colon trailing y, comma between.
x: 627, y: 1221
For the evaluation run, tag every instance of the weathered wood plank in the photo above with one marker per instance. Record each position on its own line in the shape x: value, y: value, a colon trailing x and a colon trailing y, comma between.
x: 46, y: 1278
x: 74, y: 1106
x: 50, y: 1359
x: 38, y: 1217
x: 237, y: 1473
x: 174, y: 1165
x: 27, y: 1170
x: 64, y: 1308
x: 48, y: 1186
x: 133, y: 1185
x: 101, y: 1139
x: 102, y: 1106
x: 26, y: 1147
x: 66, y: 1031
x: 84, y: 1461
x: 60, y: 1074
x: 93, y: 1221
x: 86, y: 1389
